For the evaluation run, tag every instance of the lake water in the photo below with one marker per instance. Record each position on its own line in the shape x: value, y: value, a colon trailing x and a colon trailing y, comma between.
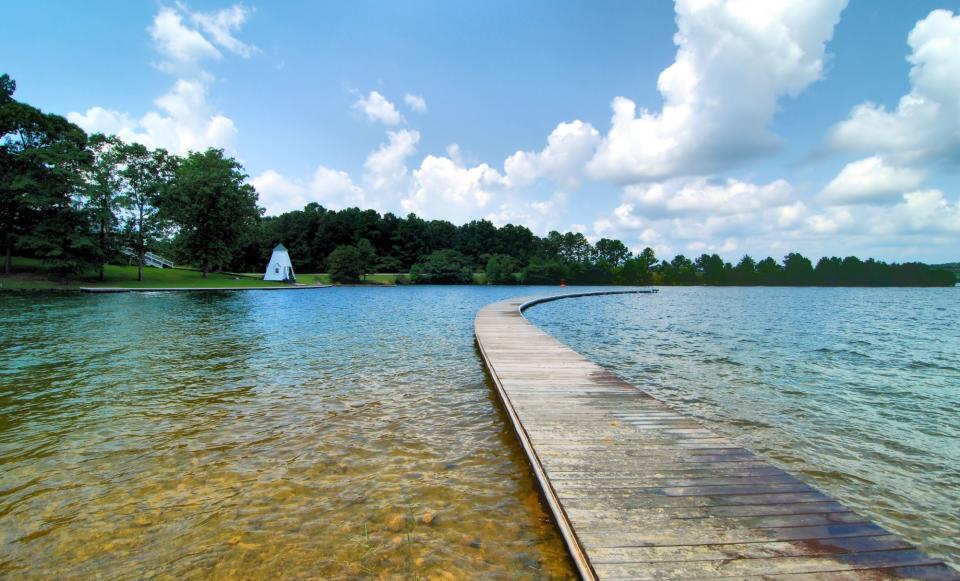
x: 343, y: 432
x: 351, y: 432
x: 856, y: 391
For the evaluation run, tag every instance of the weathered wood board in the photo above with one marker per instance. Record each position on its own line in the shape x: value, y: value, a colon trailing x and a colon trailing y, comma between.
x: 641, y: 492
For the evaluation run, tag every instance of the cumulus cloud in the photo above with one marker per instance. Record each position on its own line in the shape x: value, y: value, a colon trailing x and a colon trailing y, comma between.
x: 716, y: 110
x: 181, y: 47
x: 703, y: 196
x: 870, y: 180
x: 377, y: 108
x: 696, y: 215
x: 569, y: 146
x: 415, y: 102
x: 386, y: 167
x: 925, y: 126
x: 184, y: 119
x: 446, y: 189
x: 332, y: 188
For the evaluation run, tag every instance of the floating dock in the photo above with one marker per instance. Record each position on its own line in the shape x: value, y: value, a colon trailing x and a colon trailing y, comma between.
x: 640, y: 491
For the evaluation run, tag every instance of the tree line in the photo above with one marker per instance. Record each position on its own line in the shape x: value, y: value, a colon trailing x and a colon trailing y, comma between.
x: 80, y: 201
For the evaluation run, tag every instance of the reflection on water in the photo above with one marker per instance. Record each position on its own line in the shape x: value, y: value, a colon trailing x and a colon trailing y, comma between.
x: 855, y: 390
x: 315, y: 434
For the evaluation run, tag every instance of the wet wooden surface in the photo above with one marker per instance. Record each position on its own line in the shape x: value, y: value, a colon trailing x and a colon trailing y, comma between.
x: 642, y: 492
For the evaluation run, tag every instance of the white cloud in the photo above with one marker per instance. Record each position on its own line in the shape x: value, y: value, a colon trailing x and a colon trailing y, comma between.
x: 443, y: 188
x: 925, y: 127
x: 185, y: 122
x: 386, y: 167
x: 716, y: 110
x: 221, y: 25
x: 278, y: 194
x: 702, y: 196
x: 378, y: 109
x: 569, y: 146
x: 415, y: 102
x: 830, y: 221
x: 540, y: 216
x: 924, y: 212
x: 329, y: 187
x: 183, y: 48
x: 335, y: 189
x: 870, y: 180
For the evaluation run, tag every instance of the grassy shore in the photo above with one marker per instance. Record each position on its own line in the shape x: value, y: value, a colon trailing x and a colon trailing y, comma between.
x: 30, y: 274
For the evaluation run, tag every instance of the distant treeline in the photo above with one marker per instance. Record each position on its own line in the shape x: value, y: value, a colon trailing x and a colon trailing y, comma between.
x: 352, y: 242
x: 79, y: 201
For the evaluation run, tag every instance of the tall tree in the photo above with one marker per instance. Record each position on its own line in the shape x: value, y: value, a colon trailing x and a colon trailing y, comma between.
x: 146, y: 175
x: 368, y: 256
x: 102, y: 193
x: 41, y: 159
x: 613, y: 252
x: 212, y: 207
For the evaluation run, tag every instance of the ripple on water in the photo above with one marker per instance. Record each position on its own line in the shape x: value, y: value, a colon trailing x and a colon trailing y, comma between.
x: 337, y: 433
x: 856, y: 390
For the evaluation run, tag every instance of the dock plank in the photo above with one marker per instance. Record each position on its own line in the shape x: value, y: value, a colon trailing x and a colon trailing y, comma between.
x: 640, y: 491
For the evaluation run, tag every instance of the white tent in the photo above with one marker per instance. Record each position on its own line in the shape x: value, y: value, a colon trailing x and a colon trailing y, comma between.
x: 279, y: 267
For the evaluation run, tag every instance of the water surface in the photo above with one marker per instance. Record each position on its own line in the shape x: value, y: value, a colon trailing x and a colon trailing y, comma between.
x: 857, y: 391
x: 335, y: 433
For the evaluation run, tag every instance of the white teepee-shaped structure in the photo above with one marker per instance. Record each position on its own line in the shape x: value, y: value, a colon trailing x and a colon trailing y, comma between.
x: 279, y: 267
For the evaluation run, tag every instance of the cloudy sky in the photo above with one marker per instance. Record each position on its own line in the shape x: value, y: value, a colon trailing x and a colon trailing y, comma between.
x: 747, y: 126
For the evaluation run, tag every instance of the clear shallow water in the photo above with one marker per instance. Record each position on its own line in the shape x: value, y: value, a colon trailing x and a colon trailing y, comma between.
x: 344, y: 432
x: 855, y: 390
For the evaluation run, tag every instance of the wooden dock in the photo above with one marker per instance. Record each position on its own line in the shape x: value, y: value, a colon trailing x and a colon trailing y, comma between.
x: 640, y: 491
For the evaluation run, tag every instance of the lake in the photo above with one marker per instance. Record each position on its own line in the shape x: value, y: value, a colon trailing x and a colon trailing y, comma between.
x: 352, y: 432
x: 854, y: 390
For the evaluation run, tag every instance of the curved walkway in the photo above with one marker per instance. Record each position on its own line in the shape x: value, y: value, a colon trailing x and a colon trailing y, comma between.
x: 642, y: 492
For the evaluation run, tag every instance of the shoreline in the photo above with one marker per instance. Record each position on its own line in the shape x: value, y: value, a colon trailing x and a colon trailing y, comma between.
x: 114, y: 290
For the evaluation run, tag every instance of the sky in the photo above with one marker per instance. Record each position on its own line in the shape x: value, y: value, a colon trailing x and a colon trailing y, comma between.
x: 738, y: 127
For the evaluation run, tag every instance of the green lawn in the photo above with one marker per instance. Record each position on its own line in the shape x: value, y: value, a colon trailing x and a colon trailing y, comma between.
x: 323, y: 278
x: 30, y: 274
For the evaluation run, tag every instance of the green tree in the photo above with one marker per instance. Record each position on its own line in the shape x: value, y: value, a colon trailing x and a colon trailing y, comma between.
x: 442, y: 267
x: 745, y: 272
x: 612, y: 252
x: 389, y: 264
x: 769, y: 272
x: 145, y: 178
x: 712, y: 268
x: 368, y: 256
x: 797, y: 270
x: 680, y: 271
x: 42, y: 157
x: 544, y: 271
x: 502, y: 269
x: 344, y: 264
x: 101, y: 191
x: 635, y: 271
x: 213, y: 208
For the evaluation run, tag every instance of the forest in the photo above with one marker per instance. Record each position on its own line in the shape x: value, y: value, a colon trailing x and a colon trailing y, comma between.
x: 78, y: 202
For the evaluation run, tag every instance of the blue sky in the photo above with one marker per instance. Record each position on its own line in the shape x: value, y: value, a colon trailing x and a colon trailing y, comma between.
x: 734, y: 127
